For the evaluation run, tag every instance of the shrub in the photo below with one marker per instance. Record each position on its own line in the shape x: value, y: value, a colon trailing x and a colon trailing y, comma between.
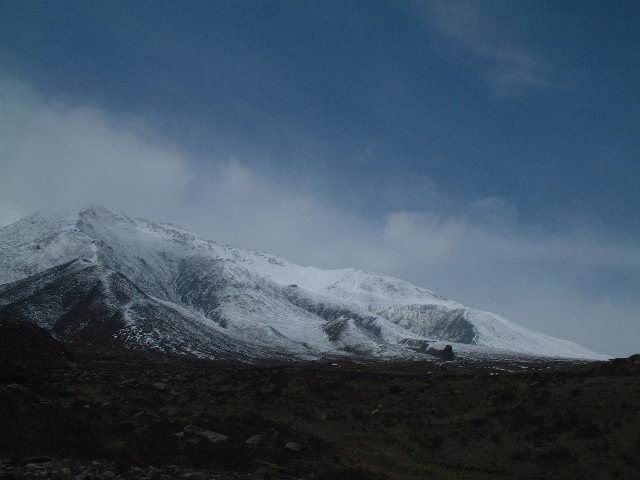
x: 589, y: 430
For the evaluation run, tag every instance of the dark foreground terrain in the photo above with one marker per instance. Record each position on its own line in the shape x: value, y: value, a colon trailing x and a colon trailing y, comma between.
x: 68, y: 412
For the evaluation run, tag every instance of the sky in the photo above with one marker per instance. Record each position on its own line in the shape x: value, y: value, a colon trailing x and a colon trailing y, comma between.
x: 488, y: 151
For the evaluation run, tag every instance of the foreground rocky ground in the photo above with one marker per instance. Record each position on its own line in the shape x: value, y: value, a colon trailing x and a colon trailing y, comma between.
x: 69, y: 412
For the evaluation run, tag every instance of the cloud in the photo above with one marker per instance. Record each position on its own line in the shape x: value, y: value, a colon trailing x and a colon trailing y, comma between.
x: 57, y: 157
x: 575, y: 283
x: 509, y: 68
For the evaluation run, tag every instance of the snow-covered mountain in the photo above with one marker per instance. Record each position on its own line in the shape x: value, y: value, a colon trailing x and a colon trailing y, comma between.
x: 106, y: 278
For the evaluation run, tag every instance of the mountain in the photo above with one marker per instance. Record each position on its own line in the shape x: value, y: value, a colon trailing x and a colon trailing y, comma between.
x: 86, y: 302
x: 27, y: 352
x: 110, y: 279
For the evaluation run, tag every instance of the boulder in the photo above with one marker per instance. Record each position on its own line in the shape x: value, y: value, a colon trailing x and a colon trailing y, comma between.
x: 254, y: 440
x: 37, y: 460
x: 447, y: 353
x: 213, y: 437
x: 192, y: 429
x: 293, y: 446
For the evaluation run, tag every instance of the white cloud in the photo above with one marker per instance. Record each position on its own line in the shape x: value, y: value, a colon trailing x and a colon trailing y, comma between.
x: 58, y: 157
x: 508, y: 67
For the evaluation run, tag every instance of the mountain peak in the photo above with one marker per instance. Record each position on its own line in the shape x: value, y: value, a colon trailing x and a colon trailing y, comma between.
x: 96, y: 211
x: 100, y: 214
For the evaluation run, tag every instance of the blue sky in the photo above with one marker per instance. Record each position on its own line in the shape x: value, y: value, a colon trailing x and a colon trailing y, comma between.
x: 503, y: 136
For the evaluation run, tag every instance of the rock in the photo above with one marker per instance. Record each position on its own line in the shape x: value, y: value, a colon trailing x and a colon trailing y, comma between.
x: 254, y: 441
x: 161, y: 386
x: 192, y: 429
x: 213, y: 437
x: 39, y: 465
x: 143, y: 417
x: 34, y: 460
x: 169, y: 411
x: 195, y: 475
x: 293, y: 446
x: 447, y: 353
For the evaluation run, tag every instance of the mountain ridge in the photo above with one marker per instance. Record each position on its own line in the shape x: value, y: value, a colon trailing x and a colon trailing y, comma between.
x: 261, y: 300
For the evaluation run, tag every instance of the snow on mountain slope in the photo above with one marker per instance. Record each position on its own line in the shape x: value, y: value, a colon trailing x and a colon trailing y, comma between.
x: 415, y: 309
x: 254, y: 298
x: 85, y: 302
